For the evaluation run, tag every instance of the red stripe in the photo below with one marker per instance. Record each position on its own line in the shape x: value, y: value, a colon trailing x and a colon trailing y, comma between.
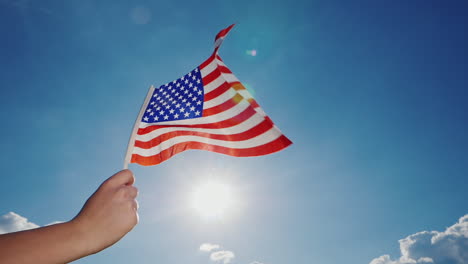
x: 233, y: 121
x: 259, y: 129
x: 207, y: 62
x: 224, y: 32
x: 211, y: 77
x: 217, y: 92
x: 268, y: 148
x: 224, y: 69
x: 224, y: 106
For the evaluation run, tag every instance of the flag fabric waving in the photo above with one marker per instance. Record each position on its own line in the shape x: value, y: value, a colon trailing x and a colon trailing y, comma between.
x: 206, y: 109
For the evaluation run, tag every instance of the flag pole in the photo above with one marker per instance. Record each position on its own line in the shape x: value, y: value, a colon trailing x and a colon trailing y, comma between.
x: 131, y: 141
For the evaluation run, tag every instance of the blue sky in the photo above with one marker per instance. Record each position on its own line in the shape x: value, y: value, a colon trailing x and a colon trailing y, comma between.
x: 372, y: 93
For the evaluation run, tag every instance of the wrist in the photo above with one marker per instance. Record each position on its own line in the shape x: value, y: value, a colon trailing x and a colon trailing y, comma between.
x: 82, y: 236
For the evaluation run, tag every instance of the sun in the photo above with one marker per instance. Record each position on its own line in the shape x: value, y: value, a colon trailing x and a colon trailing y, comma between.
x: 212, y: 200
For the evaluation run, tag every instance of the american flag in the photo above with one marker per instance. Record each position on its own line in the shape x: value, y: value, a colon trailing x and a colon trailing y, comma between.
x: 206, y: 109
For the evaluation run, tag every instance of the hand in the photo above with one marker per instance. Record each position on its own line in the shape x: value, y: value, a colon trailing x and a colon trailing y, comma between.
x: 110, y: 213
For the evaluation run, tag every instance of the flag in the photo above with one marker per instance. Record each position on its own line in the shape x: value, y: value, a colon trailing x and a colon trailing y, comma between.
x: 206, y: 109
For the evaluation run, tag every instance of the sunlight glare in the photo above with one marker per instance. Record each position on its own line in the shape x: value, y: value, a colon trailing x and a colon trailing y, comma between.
x: 211, y: 200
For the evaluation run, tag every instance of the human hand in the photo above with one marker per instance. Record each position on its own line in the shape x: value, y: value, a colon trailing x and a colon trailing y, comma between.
x: 110, y: 213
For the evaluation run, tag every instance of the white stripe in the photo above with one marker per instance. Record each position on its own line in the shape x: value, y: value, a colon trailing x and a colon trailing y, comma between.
x: 262, y: 139
x: 245, y: 94
x: 242, y: 127
x: 219, y: 41
x: 220, y: 99
x: 208, y: 68
x: 230, y: 113
x: 221, y: 63
x: 214, y: 84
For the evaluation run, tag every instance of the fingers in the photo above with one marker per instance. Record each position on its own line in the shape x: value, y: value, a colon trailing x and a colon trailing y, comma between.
x: 124, y: 177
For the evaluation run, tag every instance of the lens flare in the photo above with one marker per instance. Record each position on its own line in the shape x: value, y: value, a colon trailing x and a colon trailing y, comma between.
x: 252, y: 53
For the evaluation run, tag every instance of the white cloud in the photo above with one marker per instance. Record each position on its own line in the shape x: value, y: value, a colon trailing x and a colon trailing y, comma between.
x: 448, y: 247
x: 224, y: 255
x: 12, y: 222
x: 207, y: 247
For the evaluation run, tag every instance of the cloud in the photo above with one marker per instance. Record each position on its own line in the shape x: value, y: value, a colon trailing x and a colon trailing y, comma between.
x: 12, y: 222
x: 448, y: 247
x: 207, y: 247
x: 224, y: 255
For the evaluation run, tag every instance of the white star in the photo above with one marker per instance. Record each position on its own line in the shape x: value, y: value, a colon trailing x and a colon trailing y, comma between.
x: 183, y: 78
x: 182, y: 110
x: 166, y: 84
x: 170, y: 87
x: 190, y: 95
x: 198, y: 102
x: 166, y: 117
x: 192, y: 108
x: 178, y: 84
x: 149, y: 110
x: 194, y: 98
x: 177, y: 105
x: 186, y: 92
x: 174, y: 81
x: 197, y: 113
x: 196, y: 70
x: 176, y: 116
x: 193, y: 77
x: 155, y: 95
x: 190, y: 85
x: 198, y: 81
x: 186, y: 114
x: 161, y: 112
x: 188, y: 104
x: 186, y: 81
x: 199, y: 92
x: 168, y: 106
x: 158, y: 108
x: 152, y: 114
x: 146, y: 118
x: 164, y: 92
x: 152, y: 103
x: 189, y: 74
x: 180, y: 97
x: 171, y: 111
x: 156, y: 118
x: 160, y: 90
x: 185, y: 100
x: 177, y: 94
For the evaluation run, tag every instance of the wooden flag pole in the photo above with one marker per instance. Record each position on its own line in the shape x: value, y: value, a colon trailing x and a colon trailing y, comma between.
x: 131, y: 141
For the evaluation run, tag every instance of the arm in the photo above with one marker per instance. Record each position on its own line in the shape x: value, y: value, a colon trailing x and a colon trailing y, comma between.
x: 109, y: 214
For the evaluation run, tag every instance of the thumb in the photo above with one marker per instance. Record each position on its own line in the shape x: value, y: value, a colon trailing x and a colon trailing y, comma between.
x: 123, y: 177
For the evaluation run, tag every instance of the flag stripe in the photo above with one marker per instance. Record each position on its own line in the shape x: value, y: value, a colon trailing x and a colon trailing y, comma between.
x: 266, y: 137
x: 244, y: 115
x: 252, y: 132
x: 222, y: 88
x: 221, y: 98
x: 236, y: 129
x: 236, y: 99
x: 274, y: 146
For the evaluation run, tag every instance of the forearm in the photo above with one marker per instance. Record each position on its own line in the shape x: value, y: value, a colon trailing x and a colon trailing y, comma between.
x: 60, y: 243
